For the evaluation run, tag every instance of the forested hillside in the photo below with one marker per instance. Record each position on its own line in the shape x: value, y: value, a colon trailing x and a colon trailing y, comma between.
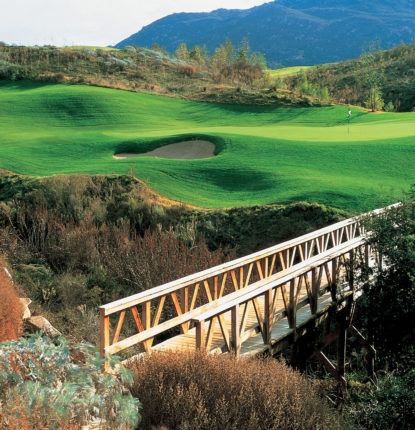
x: 378, y: 79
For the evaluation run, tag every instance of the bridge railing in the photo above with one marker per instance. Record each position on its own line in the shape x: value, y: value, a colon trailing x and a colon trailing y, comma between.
x: 307, y: 280
x: 176, y: 304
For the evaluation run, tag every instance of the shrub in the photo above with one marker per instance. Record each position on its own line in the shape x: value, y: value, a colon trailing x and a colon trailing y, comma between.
x: 390, y: 406
x: 10, y: 308
x: 386, y: 310
x: 203, y: 392
x: 43, y: 385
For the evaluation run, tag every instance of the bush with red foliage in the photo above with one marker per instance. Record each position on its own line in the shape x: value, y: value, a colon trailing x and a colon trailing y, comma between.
x: 11, y: 310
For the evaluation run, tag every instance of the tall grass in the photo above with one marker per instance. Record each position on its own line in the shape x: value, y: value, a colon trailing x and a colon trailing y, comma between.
x: 204, y: 392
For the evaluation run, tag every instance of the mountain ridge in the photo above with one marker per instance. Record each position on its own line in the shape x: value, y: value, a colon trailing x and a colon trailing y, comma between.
x: 288, y: 32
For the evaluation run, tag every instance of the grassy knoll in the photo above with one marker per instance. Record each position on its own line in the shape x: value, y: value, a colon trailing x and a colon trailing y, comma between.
x: 264, y: 154
x: 288, y: 71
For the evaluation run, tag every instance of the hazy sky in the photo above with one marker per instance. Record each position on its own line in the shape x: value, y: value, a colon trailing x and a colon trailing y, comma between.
x: 92, y: 22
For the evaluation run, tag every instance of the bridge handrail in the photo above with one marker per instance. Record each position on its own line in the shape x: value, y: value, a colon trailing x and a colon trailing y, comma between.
x: 276, y: 281
x: 224, y: 304
x: 178, y: 284
x: 297, y: 279
x: 192, y: 295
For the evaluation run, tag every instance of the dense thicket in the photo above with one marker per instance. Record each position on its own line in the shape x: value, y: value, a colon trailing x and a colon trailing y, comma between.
x: 207, y: 392
x: 386, y: 313
x: 387, y: 308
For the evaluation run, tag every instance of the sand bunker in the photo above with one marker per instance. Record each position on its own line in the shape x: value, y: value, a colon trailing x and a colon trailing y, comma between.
x: 190, y: 150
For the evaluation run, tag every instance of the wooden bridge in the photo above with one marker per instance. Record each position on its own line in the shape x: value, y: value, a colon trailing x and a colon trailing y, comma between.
x: 263, y: 302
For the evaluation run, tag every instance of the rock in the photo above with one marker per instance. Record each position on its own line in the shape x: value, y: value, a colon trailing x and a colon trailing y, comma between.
x: 26, y: 311
x: 8, y: 273
x: 39, y: 323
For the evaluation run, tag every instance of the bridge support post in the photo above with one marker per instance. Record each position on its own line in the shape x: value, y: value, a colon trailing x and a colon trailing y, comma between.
x: 268, y: 317
x: 105, y: 337
x: 236, y: 338
x: 371, y: 352
x: 341, y: 346
x: 200, y: 336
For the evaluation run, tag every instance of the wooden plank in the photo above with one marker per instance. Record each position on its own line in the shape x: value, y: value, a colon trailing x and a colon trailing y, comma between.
x: 293, y: 255
x: 236, y: 338
x: 274, y: 258
x: 200, y: 336
x: 207, y: 291
x: 244, y: 318
x: 176, y: 304
x: 222, y: 287
x: 282, y: 261
x: 118, y: 328
x: 269, y: 316
x: 105, y: 336
x: 139, y: 325
x: 210, y: 332
x: 259, y: 317
x: 157, y: 316
x: 146, y: 315
x: 248, y: 276
x: 215, y: 288
x: 195, y: 292
x: 225, y: 332
x: 259, y: 269
x: 234, y: 281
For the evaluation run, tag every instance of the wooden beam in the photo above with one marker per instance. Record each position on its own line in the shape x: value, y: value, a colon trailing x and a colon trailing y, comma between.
x: 105, y: 336
x: 236, y: 338
x: 118, y: 328
x: 200, y: 336
x: 330, y: 367
x: 269, y: 317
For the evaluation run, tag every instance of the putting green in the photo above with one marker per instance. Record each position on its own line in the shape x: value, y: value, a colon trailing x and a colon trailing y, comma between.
x: 263, y: 154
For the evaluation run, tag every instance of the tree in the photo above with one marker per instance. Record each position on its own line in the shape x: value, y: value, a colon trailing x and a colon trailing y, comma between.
x: 242, y: 55
x: 372, y: 75
x: 198, y: 55
x: 182, y: 53
x: 387, y: 307
x: 258, y: 59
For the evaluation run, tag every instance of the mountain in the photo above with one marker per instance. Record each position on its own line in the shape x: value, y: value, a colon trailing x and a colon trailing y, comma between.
x: 289, y: 32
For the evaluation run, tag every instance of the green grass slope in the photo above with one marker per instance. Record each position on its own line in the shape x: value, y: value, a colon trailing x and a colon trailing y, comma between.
x: 288, y: 71
x: 264, y: 154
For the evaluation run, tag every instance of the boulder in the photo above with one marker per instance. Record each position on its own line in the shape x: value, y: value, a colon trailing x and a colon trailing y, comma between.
x: 39, y: 323
x: 25, y: 304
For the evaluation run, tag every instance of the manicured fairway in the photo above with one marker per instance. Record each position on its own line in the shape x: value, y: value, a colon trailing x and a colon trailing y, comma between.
x: 265, y: 154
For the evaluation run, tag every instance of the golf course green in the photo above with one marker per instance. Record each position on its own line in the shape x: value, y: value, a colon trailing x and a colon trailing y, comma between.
x: 263, y: 154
